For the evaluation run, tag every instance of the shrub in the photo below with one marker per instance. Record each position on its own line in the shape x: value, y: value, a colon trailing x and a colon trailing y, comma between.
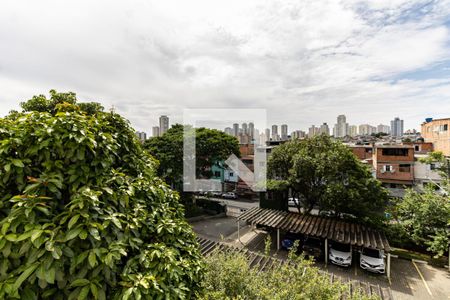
x: 83, y: 214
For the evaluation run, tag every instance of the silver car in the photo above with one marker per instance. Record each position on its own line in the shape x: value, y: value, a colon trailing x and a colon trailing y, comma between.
x: 372, y: 260
x: 340, y: 254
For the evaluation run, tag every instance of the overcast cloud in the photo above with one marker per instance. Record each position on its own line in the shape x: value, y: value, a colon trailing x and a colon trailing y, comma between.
x: 304, y: 61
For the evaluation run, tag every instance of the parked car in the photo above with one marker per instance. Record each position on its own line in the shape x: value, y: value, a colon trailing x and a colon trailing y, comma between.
x: 340, y: 254
x: 289, y: 240
x: 372, y: 260
x: 292, y: 202
x: 230, y: 195
x: 216, y: 194
x: 312, y: 247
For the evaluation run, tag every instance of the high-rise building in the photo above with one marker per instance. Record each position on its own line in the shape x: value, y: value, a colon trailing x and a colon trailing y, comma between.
x: 324, y: 129
x: 341, y: 127
x: 275, y: 136
x: 397, y: 127
x: 155, y: 131
x: 251, y: 130
x: 366, y: 129
x: 383, y: 129
x: 313, y: 131
x: 163, y: 124
x: 284, y: 132
x: 353, y: 130
x: 236, y: 129
x: 228, y: 130
x: 298, y: 134
x: 142, y: 136
x: 244, y: 128
x: 267, y: 134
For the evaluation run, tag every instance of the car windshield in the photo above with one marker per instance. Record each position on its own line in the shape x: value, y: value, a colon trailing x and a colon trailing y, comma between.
x: 371, y: 252
x: 341, y: 247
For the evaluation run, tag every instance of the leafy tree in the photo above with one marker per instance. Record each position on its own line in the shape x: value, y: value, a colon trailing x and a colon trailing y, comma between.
x: 425, y: 214
x: 83, y: 214
x: 323, y: 172
x: 212, y: 146
x: 229, y: 275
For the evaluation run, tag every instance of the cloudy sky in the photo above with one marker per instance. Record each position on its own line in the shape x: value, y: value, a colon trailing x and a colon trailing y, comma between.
x: 304, y: 61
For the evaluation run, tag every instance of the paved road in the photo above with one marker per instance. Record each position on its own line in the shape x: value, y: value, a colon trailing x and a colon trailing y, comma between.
x: 241, y: 203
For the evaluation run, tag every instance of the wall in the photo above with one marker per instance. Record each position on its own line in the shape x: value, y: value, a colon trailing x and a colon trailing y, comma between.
x: 434, y: 133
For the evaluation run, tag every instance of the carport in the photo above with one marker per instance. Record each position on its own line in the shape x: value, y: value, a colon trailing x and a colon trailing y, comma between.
x: 321, y: 227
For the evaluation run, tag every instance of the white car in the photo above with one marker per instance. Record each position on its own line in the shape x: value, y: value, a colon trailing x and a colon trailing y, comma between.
x: 340, y: 254
x: 229, y: 195
x: 372, y: 260
x: 292, y: 202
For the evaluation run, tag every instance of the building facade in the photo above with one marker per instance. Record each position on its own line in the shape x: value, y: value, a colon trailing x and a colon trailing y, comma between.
x: 397, y: 127
x: 284, y: 132
x: 155, y: 131
x: 341, y: 127
x: 324, y: 129
x: 437, y: 132
x: 163, y: 124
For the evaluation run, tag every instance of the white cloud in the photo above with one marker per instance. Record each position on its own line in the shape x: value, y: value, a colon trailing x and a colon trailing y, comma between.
x: 305, y: 61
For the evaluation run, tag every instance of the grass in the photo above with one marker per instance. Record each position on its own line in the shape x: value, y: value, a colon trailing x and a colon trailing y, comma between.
x: 408, y: 254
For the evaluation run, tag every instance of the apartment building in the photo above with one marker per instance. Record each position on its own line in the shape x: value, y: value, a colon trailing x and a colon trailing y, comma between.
x: 394, y: 165
x: 437, y: 132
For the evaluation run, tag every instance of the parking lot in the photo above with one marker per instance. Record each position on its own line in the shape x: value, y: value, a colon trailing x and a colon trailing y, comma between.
x: 409, y: 280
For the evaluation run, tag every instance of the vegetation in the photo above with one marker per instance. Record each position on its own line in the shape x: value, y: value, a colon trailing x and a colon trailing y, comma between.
x: 230, y: 276
x: 324, y: 173
x: 83, y: 214
x: 425, y: 215
x: 212, y: 146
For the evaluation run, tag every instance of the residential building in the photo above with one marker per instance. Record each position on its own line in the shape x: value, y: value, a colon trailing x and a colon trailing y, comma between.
x: 155, y: 131
x: 353, y: 130
x: 397, y: 127
x: 275, y: 136
x: 324, y: 129
x: 363, y: 152
x: 236, y: 129
x: 251, y: 130
x: 394, y: 165
x: 341, y: 127
x: 284, y: 132
x: 228, y: 130
x: 313, y: 131
x: 425, y: 173
x: 142, y: 136
x: 437, y: 132
x: 163, y: 124
x: 267, y: 135
x: 244, y: 128
x: 383, y: 129
x: 366, y: 129
x: 298, y: 134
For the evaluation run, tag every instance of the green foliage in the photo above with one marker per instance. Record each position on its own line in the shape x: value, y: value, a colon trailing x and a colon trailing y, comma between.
x: 325, y: 173
x: 230, y: 276
x: 212, y: 146
x: 83, y: 214
x: 425, y: 216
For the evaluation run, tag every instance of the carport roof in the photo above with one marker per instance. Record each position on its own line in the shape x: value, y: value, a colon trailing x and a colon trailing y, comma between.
x: 322, y: 227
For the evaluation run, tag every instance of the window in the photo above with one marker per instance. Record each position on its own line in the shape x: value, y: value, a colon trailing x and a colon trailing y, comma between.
x: 388, y: 168
x: 405, y: 168
x: 416, y: 148
x: 394, y: 151
x: 433, y: 167
x: 445, y: 127
x: 231, y: 174
x: 216, y: 174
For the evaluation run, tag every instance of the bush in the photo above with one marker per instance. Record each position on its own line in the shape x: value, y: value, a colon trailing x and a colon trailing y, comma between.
x: 83, y: 214
x: 230, y: 276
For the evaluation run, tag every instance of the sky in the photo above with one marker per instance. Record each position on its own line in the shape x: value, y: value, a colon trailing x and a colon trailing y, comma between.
x: 304, y: 62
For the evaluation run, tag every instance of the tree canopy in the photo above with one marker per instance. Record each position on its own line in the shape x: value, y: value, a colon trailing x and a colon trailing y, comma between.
x: 83, y: 214
x: 425, y: 214
x: 324, y: 173
x: 212, y: 146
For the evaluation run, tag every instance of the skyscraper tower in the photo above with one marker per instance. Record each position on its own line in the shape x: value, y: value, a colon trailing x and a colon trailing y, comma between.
x: 236, y: 129
x: 251, y: 130
x: 275, y: 136
x: 284, y: 132
x: 163, y: 124
x: 341, y: 127
x: 397, y: 127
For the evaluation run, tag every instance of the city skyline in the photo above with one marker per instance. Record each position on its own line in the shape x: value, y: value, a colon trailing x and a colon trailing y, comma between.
x: 155, y: 58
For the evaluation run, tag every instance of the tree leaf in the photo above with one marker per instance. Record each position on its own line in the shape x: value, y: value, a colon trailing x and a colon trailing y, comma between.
x: 25, y: 274
x: 18, y: 163
x: 72, y: 221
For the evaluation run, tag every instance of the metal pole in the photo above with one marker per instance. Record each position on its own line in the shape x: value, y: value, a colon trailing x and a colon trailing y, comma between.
x: 239, y: 236
x: 278, y: 239
x: 326, y: 251
x: 388, y: 266
x: 449, y: 258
